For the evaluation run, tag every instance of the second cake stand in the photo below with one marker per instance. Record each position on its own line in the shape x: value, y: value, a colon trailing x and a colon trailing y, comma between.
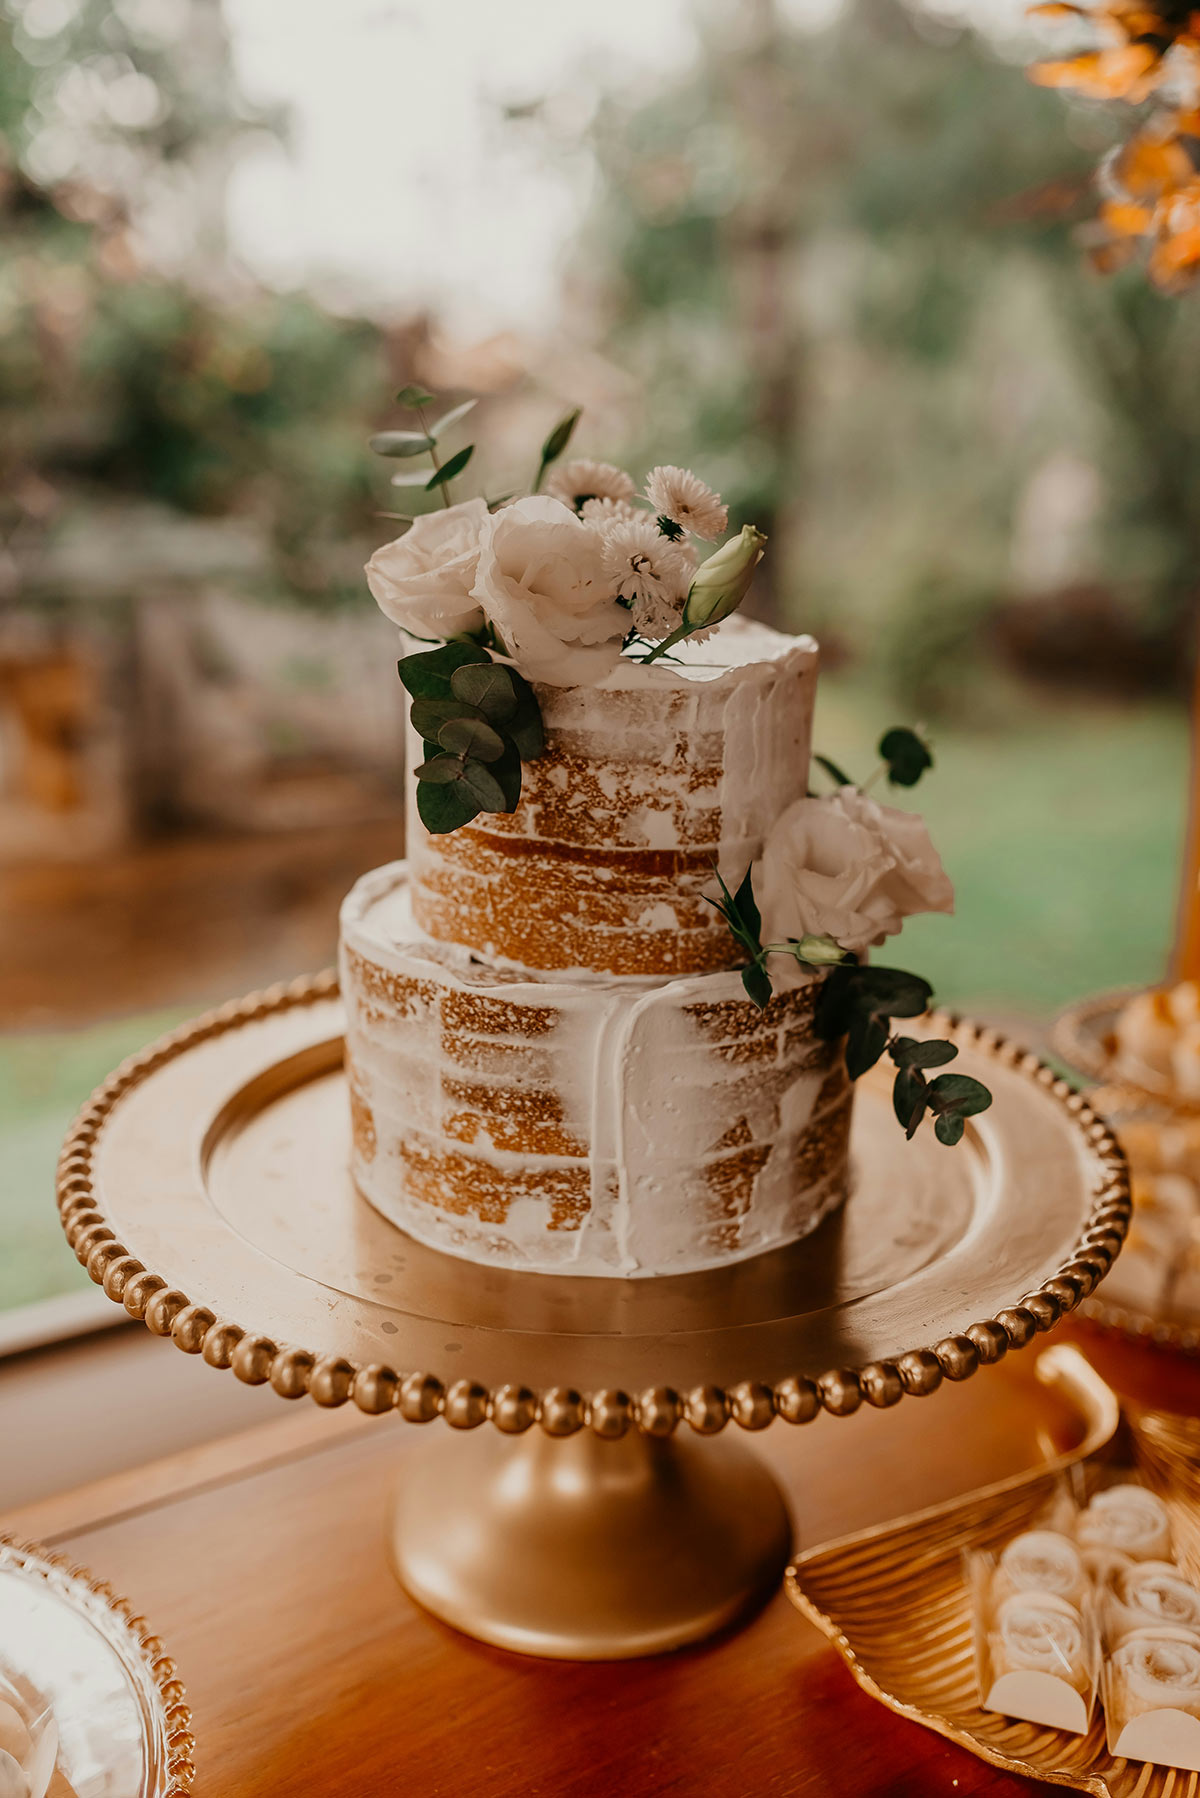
x: 205, y: 1186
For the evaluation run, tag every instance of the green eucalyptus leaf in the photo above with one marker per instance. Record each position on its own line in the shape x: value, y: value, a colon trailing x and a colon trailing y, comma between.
x: 865, y: 1042
x: 910, y: 1096
x: 525, y: 727
x: 401, y: 443
x: 559, y: 437
x: 443, y: 808
x: 449, y: 419
x: 835, y: 774
x: 907, y: 1052
x: 471, y: 736
x: 757, y: 983
x: 429, y: 715
x: 488, y: 686
x: 449, y: 469
x: 426, y: 674
x: 948, y: 1128
x: 890, y: 992
x: 819, y: 951
x: 907, y: 757
x: 413, y: 397
x: 439, y: 769
x: 507, y: 772
x: 959, y: 1093
x: 418, y: 477
x: 482, y: 784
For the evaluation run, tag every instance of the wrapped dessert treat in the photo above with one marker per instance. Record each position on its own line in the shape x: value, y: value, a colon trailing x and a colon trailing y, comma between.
x: 1129, y: 1520
x: 1036, y: 1645
x: 1042, y: 1560
x: 1145, y: 1595
x: 1152, y: 1697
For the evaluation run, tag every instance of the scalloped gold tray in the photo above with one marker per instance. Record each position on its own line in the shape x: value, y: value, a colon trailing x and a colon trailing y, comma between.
x: 124, y: 1726
x: 894, y: 1602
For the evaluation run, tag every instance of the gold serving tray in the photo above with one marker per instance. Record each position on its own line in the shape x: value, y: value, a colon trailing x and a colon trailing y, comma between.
x: 894, y: 1602
x: 206, y: 1186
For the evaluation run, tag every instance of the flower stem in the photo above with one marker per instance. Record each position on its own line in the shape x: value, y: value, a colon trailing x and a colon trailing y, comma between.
x: 433, y: 456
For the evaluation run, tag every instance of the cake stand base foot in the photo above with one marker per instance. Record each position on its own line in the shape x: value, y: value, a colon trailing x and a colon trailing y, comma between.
x: 588, y: 1550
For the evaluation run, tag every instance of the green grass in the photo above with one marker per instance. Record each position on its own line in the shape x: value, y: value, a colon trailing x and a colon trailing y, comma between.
x: 44, y: 1078
x: 1062, y: 834
x: 1061, y: 831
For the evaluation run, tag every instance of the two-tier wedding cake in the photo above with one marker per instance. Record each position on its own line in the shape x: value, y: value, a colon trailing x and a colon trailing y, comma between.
x: 565, y: 1050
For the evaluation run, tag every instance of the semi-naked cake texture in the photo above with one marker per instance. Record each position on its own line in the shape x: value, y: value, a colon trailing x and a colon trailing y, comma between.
x: 553, y: 1064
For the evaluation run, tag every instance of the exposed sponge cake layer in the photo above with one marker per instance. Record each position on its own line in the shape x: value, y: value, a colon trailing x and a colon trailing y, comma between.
x: 647, y: 780
x: 587, y: 1125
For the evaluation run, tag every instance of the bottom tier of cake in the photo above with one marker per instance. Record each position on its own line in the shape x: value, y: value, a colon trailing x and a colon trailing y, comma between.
x: 581, y: 1125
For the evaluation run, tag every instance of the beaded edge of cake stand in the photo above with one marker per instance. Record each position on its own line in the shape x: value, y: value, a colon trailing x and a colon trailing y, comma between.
x: 419, y: 1397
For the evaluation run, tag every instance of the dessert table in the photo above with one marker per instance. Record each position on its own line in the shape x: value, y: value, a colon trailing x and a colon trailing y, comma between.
x: 263, y: 1560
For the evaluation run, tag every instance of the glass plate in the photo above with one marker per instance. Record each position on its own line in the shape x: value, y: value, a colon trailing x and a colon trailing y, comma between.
x: 66, y: 1642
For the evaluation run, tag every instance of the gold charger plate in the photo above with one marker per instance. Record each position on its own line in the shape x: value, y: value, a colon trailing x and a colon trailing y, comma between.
x: 1084, y: 1036
x: 67, y: 1641
x: 894, y: 1602
x: 206, y: 1186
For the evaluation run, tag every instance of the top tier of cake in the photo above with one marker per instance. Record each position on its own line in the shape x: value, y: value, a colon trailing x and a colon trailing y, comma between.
x: 646, y: 782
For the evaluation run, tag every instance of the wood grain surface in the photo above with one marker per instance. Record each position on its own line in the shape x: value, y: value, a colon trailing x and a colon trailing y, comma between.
x: 262, y: 1562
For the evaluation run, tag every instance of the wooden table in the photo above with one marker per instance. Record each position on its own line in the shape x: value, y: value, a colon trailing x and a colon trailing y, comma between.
x: 261, y: 1560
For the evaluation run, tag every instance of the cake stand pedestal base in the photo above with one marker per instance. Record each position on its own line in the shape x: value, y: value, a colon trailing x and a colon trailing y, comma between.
x: 582, y: 1549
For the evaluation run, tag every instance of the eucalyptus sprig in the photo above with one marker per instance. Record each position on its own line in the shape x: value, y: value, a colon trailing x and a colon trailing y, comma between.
x: 858, y: 1003
x: 904, y: 756
x: 478, y: 720
x: 424, y: 442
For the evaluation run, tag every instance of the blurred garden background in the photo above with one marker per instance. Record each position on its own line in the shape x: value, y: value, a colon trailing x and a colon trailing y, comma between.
x: 824, y: 251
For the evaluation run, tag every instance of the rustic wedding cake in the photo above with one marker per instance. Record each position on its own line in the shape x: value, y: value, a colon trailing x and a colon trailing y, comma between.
x: 564, y: 1048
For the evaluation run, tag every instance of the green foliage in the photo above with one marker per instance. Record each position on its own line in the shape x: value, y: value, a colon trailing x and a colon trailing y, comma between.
x: 556, y: 443
x: 479, y: 720
x: 906, y: 756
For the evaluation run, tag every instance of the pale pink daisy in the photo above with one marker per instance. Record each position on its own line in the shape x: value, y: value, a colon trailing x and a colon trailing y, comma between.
x: 681, y: 496
x: 576, y: 482
x: 601, y: 512
x: 649, y: 573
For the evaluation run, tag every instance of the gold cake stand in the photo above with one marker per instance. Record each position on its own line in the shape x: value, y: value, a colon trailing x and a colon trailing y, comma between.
x: 206, y: 1187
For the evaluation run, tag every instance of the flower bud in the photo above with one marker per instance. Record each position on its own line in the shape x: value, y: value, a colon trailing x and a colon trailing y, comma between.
x: 720, y: 584
x: 819, y: 951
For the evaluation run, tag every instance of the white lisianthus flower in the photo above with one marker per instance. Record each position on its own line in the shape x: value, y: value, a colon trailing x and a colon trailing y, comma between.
x: 423, y: 580
x: 648, y: 573
x: 847, y: 867
x: 681, y: 496
x: 542, y: 583
x: 575, y: 482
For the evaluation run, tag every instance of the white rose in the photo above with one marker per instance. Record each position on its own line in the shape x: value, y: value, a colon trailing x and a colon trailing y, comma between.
x: 848, y: 868
x: 541, y: 581
x: 423, y: 580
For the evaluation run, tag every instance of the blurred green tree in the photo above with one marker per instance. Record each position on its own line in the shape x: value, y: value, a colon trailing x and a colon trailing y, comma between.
x: 838, y: 259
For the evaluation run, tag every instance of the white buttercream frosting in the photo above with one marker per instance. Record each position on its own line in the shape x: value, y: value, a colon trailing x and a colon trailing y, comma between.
x: 583, y: 1124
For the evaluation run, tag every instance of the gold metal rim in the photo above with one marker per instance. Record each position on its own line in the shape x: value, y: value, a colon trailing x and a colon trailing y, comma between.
x: 176, y: 1715
x: 420, y: 1396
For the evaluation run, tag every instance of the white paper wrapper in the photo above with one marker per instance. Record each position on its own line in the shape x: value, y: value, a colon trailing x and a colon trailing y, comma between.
x: 1128, y: 1519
